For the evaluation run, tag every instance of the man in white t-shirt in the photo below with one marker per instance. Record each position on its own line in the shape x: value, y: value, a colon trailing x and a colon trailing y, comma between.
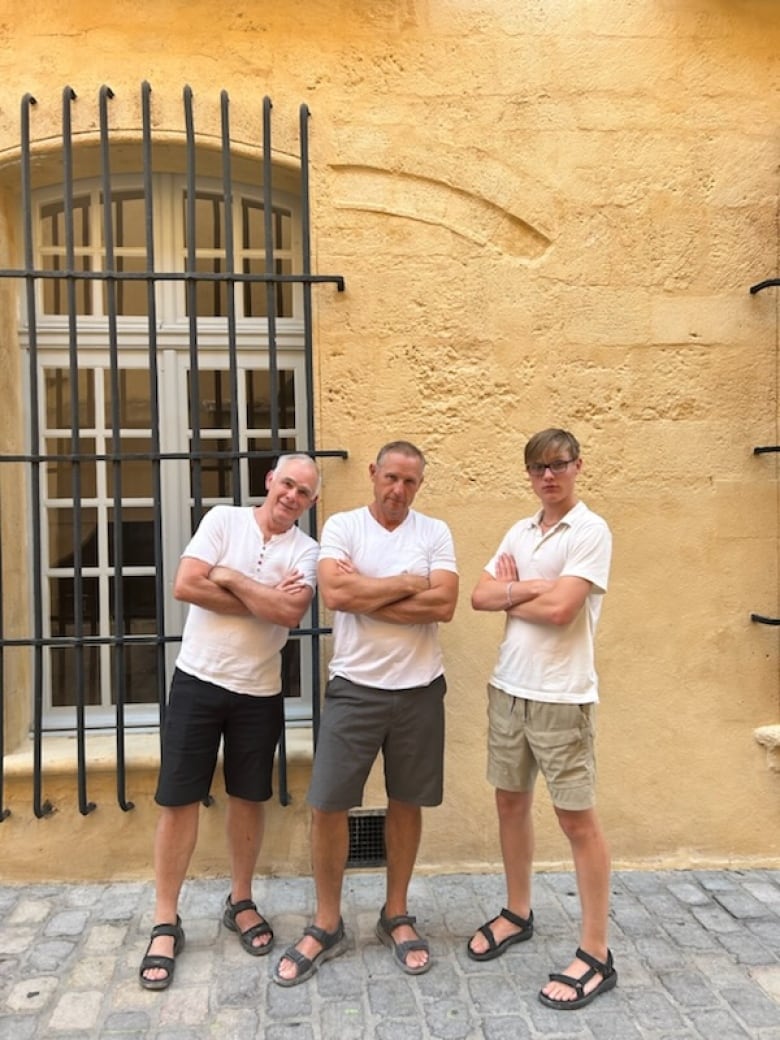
x: 549, y: 576
x: 249, y: 574
x: 389, y: 574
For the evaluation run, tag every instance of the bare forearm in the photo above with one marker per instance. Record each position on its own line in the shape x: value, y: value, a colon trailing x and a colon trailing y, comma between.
x: 204, y: 593
x: 504, y: 595
x: 284, y: 604
x: 357, y: 594
x: 423, y: 608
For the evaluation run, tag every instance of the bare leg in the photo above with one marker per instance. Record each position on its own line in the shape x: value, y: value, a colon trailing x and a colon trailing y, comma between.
x: 174, y: 843
x: 403, y: 829
x: 516, y: 834
x: 592, y: 868
x: 329, y: 851
x: 245, y: 826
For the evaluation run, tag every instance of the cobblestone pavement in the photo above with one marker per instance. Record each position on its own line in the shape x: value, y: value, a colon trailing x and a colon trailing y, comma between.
x: 697, y: 953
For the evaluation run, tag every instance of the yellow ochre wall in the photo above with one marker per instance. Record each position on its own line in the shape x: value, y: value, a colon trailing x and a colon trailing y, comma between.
x: 546, y: 212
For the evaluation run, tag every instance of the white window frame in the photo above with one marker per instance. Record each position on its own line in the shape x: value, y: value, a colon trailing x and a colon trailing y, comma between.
x: 173, y: 348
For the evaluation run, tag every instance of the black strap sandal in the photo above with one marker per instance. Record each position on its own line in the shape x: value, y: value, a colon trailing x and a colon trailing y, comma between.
x: 155, y: 960
x: 232, y: 910
x: 595, y: 967
x: 495, y: 949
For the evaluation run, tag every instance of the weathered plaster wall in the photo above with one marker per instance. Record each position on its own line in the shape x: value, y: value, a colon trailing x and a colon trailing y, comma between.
x: 545, y: 213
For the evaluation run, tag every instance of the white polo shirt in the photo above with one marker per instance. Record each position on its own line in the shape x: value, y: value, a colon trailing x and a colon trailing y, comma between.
x: 555, y: 663
x: 242, y: 654
x: 367, y: 650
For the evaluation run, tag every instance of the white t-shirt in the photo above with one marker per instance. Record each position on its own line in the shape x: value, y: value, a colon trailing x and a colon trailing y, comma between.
x: 242, y: 654
x: 369, y: 651
x: 555, y: 663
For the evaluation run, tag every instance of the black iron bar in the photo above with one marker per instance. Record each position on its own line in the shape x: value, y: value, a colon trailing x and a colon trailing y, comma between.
x: 764, y: 285
x: 230, y: 291
x: 270, y: 264
x: 118, y: 658
x: 154, y: 397
x: 68, y: 97
x: 762, y: 620
x: 41, y: 808
x: 67, y: 274
x: 196, y: 470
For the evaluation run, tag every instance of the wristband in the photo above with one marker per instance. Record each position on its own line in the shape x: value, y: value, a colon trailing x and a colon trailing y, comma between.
x: 509, y: 595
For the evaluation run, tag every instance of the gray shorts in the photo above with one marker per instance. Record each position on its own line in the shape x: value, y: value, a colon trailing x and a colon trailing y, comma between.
x: 358, y: 722
x: 527, y: 736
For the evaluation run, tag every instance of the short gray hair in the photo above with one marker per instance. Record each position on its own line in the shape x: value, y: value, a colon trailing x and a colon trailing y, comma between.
x: 284, y: 461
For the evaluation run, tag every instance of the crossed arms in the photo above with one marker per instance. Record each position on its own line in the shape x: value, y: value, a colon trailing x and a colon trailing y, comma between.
x: 401, y: 599
x: 538, y: 600
x: 226, y: 591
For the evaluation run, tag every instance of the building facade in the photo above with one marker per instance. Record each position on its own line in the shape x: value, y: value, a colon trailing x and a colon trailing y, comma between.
x: 235, y: 230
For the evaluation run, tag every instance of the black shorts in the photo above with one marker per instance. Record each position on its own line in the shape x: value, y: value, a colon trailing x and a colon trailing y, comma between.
x: 358, y: 722
x: 201, y: 714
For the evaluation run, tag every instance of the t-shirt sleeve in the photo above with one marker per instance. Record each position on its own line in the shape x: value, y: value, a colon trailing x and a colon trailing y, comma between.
x: 209, y: 541
x: 306, y: 563
x: 504, y: 547
x: 334, y: 539
x: 443, y: 550
x: 590, y: 556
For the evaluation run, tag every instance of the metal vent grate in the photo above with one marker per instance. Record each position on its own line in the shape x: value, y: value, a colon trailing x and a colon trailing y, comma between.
x: 367, y: 838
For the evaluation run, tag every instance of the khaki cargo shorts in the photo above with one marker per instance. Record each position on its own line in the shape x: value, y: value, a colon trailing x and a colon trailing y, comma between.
x: 526, y: 737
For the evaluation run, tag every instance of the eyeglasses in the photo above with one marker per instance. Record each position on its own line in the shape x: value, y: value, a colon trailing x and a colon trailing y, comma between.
x: 537, y: 469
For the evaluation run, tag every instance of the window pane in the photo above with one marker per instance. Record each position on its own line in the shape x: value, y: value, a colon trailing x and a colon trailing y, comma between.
x: 137, y: 543
x: 258, y: 398
x: 140, y: 672
x: 214, y: 399
x: 55, y: 291
x: 209, y: 221
x: 210, y: 296
x: 53, y: 225
x: 59, y: 475
x: 130, y: 297
x: 256, y: 293
x: 134, y: 405
x: 62, y: 661
x: 136, y: 474
x: 61, y: 528
x: 216, y: 474
x: 128, y: 220
x: 253, y: 226
x: 59, y: 411
x: 63, y: 606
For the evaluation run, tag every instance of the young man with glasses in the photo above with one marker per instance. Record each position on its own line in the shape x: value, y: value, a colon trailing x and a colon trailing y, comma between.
x: 548, y: 576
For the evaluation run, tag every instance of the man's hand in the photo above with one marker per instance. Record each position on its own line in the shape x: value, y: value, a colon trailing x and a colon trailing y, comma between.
x: 506, y: 568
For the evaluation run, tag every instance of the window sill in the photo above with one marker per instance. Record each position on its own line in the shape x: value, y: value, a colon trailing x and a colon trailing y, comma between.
x: 769, y: 737
x: 59, y: 753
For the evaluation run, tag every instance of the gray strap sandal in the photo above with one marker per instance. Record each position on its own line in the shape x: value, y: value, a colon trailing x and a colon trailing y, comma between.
x: 384, y: 931
x: 332, y: 943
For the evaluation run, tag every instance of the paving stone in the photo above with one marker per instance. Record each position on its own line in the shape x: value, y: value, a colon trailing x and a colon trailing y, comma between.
x: 17, y: 1027
x: 740, y: 903
x: 32, y: 994
x: 76, y: 1011
x: 68, y: 922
